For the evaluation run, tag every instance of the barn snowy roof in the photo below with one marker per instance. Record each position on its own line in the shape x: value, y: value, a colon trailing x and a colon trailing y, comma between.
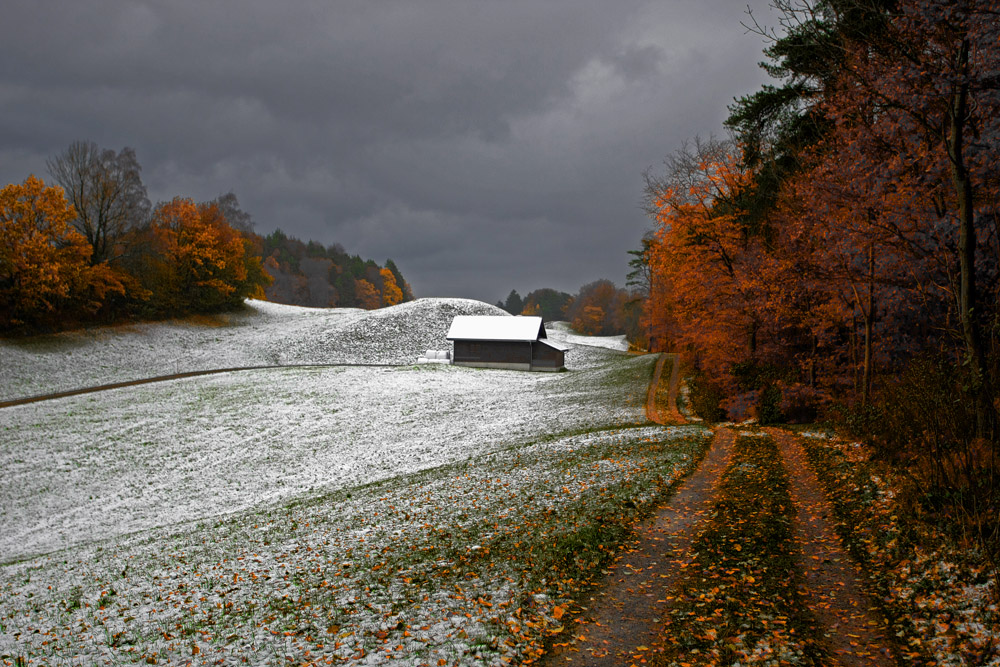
x: 562, y: 347
x: 496, y: 327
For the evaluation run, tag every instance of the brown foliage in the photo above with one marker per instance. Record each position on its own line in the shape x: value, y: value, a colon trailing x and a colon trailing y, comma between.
x: 44, y: 263
x: 598, y: 310
x: 366, y: 294
x: 201, y: 263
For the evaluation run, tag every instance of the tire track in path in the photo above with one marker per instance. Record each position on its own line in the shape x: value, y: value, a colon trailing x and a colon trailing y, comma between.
x: 625, y: 610
x: 671, y: 415
x: 849, y: 627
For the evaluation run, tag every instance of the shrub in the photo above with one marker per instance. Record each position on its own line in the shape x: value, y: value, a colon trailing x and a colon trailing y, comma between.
x: 706, y: 398
x: 801, y: 404
x: 925, y: 421
x: 741, y: 406
x: 768, y: 405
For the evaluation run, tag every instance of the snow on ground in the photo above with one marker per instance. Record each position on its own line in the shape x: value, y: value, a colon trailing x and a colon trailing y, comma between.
x: 396, y: 573
x: 92, y: 466
x: 262, y: 334
x: 252, y: 514
x: 938, y: 591
x: 561, y: 331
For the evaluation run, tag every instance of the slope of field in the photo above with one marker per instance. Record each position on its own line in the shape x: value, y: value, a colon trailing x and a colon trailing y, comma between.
x: 561, y: 331
x: 262, y: 334
x: 376, y: 515
x: 94, y: 466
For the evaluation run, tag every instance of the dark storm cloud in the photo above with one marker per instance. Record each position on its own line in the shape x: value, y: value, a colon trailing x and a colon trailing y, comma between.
x: 481, y: 145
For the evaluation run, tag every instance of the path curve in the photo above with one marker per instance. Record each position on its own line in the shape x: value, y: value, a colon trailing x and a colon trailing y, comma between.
x: 653, y: 412
x: 848, y: 622
x: 628, y: 603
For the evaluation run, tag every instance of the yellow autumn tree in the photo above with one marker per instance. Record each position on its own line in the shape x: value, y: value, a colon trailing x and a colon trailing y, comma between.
x: 391, y: 292
x: 44, y: 263
x: 202, y: 263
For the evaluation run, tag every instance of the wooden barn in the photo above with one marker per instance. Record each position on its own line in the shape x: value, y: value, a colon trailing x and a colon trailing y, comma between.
x: 501, y: 341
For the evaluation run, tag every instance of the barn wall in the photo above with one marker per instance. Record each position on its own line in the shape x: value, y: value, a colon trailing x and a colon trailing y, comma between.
x: 548, y: 357
x: 502, y: 352
x: 512, y: 355
x: 498, y: 364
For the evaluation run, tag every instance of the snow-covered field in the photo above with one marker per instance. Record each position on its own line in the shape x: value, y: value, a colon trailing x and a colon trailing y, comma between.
x: 306, y: 514
x: 94, y: 466
x: 263, y: 334
x: 562, y: 331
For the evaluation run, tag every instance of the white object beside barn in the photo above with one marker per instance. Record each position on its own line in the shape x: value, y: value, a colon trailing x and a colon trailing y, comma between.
x: 435, y: 357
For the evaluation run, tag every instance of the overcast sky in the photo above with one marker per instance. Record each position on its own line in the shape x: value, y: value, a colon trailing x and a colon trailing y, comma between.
x: 483, y: 146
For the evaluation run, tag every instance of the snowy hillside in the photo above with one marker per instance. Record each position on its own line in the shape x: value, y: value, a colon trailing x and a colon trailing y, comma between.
x: 264, y: 334
x: 98, y: 465
x: 206, y: 445
x: 240, y: 479
x: 561, y: 331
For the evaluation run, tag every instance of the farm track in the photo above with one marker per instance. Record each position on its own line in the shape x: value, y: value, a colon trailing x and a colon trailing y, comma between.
x: 670, y: 415
x: 850, y: 631
x: 625, y: 613
x: 176, y: 376
x: 624, y: 617
x: 623, y: 620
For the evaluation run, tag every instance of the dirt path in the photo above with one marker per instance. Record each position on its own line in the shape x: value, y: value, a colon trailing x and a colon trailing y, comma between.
x: 625, y: 614
x: 850, y: 630
x: 668, y: 414
x: 622, y: 623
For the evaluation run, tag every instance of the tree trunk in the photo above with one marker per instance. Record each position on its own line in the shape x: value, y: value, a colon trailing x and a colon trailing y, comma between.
x: 866, y: 379
x: 854, y: 348
x: 812, y: 360
x: 962, y: 183
x: 869, y: 316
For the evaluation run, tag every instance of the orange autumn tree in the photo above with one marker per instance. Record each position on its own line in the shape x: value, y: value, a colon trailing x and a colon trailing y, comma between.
x: 703, y: 289
x: 589, y: 320
x: 391, y: 292
x: 598, y: 309
x: 201, y: 263
x: 45, y: 272
x: 366, y: 294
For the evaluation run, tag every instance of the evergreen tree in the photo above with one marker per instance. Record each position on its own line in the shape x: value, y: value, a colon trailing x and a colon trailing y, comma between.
x: 513, y: 304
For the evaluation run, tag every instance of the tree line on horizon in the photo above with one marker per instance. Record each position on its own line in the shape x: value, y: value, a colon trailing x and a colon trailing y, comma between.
x: 599, y: 308
x: 310, y: 274
x: 838, y: 256
x: 91, y: 249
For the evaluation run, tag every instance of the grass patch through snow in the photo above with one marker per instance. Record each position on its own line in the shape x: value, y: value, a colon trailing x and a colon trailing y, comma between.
x: 89, y: 467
